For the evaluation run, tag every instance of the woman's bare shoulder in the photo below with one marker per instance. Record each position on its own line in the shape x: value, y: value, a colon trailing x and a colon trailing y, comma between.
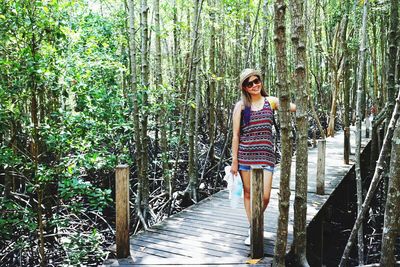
x: 272, y: 98
x: 273, y: 101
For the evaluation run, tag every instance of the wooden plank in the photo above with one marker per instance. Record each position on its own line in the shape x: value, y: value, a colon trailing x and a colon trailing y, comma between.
x: 229, y: 240
x: 217, y: 251
x: 196, y: 242
x: 156, y: 251
x: 237, y: 228
x: 140, y: 252
x: 171, y: 248
x: 195, y: 225
x: 270, y: 218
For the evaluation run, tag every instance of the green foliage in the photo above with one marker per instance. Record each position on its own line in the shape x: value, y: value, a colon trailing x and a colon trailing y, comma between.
x: 16, y: 218
x: 74, y: 190
x: 72, y: 58
x: 82, y: 248
x: 8, y: 157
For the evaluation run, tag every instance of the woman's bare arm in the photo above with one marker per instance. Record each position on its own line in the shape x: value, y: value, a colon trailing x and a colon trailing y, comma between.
x: 274, y: 101
x: 236, y: 136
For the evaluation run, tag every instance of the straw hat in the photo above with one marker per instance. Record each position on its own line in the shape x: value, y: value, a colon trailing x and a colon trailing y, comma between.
x: 246, y: 73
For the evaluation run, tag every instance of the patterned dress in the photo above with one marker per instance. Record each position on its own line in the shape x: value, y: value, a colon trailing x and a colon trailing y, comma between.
x: 256, y: 146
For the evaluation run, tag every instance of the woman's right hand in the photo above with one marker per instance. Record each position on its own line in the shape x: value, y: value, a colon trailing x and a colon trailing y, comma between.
x: 234, y: 167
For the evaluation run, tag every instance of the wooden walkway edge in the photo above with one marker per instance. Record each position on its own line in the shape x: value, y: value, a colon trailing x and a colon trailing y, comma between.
x: 212, y: 232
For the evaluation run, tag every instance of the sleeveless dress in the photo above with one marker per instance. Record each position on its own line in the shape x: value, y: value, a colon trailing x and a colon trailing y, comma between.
x: 256, y: 146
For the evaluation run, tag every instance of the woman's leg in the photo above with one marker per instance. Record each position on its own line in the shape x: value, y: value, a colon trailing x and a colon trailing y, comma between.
x: 267, y: 188
x: 246, y: 191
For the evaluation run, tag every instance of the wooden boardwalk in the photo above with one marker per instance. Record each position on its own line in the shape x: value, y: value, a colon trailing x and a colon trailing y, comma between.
x: 212, y: 232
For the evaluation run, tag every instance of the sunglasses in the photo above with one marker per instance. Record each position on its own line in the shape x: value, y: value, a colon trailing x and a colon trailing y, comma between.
x: 252, y: 83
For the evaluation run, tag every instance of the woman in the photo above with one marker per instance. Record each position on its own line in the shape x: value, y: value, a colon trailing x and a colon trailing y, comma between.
x: 252, y: 142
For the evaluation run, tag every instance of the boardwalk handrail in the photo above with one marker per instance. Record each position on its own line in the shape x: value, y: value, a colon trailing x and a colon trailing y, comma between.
x: 122, y: 210
x: 257, y: 215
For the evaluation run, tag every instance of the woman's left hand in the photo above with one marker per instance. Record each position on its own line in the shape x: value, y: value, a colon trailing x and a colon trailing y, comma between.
x: 234, y: 167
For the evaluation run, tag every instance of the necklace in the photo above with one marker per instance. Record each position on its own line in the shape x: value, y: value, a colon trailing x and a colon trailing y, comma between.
x: 257, y: 105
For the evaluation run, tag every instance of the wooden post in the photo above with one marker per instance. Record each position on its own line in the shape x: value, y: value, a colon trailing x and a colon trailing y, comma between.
x: 314, y: 138
x: 346, y: 145
x: 321, y: 167
x: 257, y: 215
x: 122, y: 210
x: 367, y: 126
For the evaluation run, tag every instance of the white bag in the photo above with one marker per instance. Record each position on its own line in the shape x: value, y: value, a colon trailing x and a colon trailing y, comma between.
x: 235, y: 185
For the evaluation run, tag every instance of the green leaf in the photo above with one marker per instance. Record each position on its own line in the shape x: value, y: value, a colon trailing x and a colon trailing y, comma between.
x: 70, y: 169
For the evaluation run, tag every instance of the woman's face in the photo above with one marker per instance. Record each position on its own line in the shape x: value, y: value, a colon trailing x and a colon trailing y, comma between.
x: 252, y: 85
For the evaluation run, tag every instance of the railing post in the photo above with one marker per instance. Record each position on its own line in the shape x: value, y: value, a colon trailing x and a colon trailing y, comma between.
x: 257, y: 216
x: 367, y: 126
x: 346, y: 150
x: 122, y: 210
x: 314, y: 138
x: 321, y: 167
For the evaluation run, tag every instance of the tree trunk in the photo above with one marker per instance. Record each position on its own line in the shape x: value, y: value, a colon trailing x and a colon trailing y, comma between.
x: 374, y: 62
x: 244, y: 35
x: 335, y: 61
x: 249, y: 47
x: 300, y: 83
x: 176, y: 46
x: 318, y: 53
x: 380, y: 166
x: 143, y: 194
x: 221, y: 92
x: 397, y: 79
x: 391, y: 75
x: 35, y: 159
x: 281, y: 65
x: 391, y: 228
x: 197, y: 92
x: 376, y: 122
x: 346, y: 91
x: 163, y: 116
x: 264, y: 45
x: 392, y: 54
x: 193, y: 180
x: 359, y: 115
x: 238, y: 50
x: 133, y: 88
x: 192, y: 109
x: 9, y: 177
x: 177, y: 62
x: 383, y: 64
x: 212, y: 79
x: 34, y: 142
x: 391, y: 221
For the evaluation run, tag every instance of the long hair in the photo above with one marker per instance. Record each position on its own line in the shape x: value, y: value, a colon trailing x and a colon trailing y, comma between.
x: 246, y: 98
